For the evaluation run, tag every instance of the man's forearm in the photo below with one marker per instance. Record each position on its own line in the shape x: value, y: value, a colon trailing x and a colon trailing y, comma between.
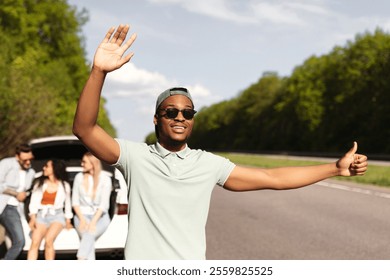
x: 11, y: 192
x: 296, y: 177
x: 249, y: 179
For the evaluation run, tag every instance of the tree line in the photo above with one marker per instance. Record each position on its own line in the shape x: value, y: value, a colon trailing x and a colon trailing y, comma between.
x: 324, y: 105
x: 43, y: 68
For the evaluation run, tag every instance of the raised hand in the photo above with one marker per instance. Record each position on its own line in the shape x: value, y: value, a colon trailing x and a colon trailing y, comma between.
x: 109, y: 55
x: 352, y: 164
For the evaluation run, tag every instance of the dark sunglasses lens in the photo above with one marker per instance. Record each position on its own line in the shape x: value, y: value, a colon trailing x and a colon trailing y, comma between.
x: 172, y: 113
x: 188, y: 114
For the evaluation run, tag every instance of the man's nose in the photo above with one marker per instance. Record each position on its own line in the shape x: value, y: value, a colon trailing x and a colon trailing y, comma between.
x: 180, y: 116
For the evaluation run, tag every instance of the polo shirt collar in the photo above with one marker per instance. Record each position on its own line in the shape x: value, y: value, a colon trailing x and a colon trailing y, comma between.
x: 164, y: 152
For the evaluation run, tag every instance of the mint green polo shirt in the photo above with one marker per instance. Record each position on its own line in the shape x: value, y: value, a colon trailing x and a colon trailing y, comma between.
x: 169, y: 199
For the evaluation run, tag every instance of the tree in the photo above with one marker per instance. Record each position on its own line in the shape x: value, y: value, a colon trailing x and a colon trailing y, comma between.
x: 43, y: 69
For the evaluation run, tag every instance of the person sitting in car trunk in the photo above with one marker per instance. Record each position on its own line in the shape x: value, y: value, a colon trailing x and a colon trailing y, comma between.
x: 91, y: 201
x: 50, y: 208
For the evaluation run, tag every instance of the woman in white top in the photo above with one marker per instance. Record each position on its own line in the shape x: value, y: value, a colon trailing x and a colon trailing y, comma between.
x: 49, y: 199
x: 91, y: 201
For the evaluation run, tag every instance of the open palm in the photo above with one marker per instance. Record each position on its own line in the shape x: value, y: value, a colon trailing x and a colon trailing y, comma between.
x: 110, y: 54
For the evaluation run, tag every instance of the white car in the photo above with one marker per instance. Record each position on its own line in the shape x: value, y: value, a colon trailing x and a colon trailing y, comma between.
x: 68, y: 148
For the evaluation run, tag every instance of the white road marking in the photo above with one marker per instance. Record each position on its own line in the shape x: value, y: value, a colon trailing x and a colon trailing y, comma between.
x: 354, y: 189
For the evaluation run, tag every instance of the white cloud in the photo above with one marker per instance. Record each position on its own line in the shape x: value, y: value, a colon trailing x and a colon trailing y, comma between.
x: 201, y: 95
x: 253, y: 11
x: 386, y: 25
x: 130, y: 74
x: 220, y: 9
x: 309, y: 7
x: 279, y: 13
x: 198, y: 91
x: 143, y: 86
x: 131, y: 81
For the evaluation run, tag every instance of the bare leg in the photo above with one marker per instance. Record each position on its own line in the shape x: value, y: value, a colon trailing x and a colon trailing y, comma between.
x: 51, y: 235
x: 36, y: 239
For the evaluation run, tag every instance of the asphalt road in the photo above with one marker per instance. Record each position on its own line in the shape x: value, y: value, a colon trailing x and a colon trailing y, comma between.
x: 332, y: 220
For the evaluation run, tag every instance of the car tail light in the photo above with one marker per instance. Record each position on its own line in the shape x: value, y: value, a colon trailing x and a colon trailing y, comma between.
x: 122, y: 209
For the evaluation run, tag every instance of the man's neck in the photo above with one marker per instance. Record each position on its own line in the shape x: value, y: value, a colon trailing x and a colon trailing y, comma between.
x: 173, y: 146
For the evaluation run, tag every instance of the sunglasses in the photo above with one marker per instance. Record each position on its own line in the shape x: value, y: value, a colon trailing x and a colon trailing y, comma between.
x: 172, y: 113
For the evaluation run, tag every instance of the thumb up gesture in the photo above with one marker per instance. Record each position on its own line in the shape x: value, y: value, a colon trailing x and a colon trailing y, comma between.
x: 352, y: 164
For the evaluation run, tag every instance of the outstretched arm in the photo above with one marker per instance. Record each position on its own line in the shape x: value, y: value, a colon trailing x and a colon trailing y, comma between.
x: 108, y: 57
x: 248, y: 179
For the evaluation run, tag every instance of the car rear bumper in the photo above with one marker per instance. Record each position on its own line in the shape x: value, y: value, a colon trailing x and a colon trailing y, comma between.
x: 101, y: 254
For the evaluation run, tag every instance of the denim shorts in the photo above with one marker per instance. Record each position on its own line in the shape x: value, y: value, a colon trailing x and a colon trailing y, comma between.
x: 58, y: 216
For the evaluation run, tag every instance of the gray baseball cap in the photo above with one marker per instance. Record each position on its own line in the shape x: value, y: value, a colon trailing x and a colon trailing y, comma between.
x: 173, y: 91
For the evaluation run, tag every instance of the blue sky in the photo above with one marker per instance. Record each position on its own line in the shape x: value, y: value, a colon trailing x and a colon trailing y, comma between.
x: 216, y: 48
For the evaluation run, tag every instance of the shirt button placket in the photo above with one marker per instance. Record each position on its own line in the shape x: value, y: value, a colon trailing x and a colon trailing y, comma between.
x: 174, y: 164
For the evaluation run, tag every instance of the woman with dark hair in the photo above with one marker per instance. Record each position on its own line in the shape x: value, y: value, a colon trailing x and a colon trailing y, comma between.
x: 49, y: 199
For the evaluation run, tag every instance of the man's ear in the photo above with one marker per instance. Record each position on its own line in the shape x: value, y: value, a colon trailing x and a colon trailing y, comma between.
x: 155, y: 119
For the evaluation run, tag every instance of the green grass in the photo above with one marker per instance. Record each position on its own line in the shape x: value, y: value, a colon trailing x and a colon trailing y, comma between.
x: 375, y: 175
